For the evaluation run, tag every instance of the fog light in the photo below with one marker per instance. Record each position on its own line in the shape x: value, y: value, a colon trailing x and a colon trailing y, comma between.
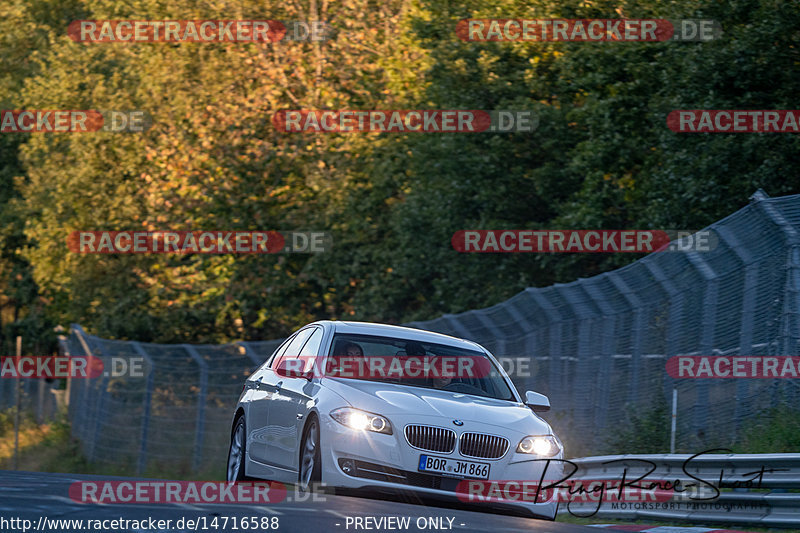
x: 347, y: 466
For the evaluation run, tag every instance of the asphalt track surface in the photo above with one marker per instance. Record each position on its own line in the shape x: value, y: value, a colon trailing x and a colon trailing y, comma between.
x: 33, y: 495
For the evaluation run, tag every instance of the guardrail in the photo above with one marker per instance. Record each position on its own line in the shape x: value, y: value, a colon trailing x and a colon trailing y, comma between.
x: 753, y: 488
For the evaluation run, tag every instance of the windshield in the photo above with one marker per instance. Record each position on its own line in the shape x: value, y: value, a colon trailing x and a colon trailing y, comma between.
x: 416, y: 364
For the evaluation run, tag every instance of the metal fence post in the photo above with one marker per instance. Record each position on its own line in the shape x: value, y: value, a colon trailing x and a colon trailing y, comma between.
x: 636, y: 331
x: 791, y: 317
x: 749, y: 296
x: 141, y: 462
x: 3, y: 393
x: 101, y: 404
x: 18, y: 406
x: 555, y: 331
x: 531, y: 335
x: 80, y: 418
x: 40, y: 402
x: 63, y: 350
x: 791, y: 301
x: 673, y: 323
x: 201, y: 406
x: 603, y: 381
x: 707, y: 324
x: 586, y: 365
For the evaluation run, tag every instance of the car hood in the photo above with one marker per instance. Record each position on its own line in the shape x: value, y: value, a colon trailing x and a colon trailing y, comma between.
x: 390, y: 399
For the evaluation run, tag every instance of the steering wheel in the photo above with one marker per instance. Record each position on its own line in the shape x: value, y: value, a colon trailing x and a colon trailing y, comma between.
x: 458, y: 386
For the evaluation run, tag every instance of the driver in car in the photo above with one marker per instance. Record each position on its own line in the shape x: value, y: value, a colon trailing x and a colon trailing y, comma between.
x: 335, y: 365
x: 441, y: 382
x: 415, y: 349
x: 352, y: 349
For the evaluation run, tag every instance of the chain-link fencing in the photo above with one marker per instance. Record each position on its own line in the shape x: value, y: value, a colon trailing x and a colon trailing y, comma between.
x: 174, y: 416
x: 597, y: 347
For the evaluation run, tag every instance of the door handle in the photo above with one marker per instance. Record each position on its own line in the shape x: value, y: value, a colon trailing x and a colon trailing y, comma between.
x: 278, y: 385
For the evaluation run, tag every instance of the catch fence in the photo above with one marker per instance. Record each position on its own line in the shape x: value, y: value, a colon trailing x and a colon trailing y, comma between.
x: 597, y: 347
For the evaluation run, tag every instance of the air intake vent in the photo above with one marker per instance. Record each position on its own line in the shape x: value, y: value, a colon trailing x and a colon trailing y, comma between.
x: 483, y: 446
x: 431, y: 438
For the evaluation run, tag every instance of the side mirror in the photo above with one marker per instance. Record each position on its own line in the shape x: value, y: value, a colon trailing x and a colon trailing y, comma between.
x: 538, y: 402
x: 295, y: 368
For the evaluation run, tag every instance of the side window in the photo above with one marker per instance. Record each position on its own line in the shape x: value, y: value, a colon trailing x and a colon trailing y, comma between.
x: 311, y: 348
x: 293, y: 348
x: 278, y: 352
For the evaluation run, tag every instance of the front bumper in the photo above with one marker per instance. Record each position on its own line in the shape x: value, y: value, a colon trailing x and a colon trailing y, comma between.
x: 388, y: 463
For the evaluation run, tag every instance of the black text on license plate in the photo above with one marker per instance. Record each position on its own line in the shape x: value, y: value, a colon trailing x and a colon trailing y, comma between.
x: 453, y: 467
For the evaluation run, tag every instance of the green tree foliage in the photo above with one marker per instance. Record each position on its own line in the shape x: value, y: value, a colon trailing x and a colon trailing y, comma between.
x: 212, y: 160
x: 602, y: 156
x: 28, y: 28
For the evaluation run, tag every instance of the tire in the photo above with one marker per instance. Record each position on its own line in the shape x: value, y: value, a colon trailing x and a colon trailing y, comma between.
x: 310, y: 471
x: 237, y: 452
x: 548, y: 518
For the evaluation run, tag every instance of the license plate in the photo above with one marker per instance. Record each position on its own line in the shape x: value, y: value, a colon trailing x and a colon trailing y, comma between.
x: 453, y: 467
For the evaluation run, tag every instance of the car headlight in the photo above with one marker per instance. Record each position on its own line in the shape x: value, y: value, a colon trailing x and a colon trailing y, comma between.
x: 362, y: 420
x: 542, y: 445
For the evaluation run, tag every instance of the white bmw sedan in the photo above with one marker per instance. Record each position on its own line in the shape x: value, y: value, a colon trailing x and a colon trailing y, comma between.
x: 366, y: 427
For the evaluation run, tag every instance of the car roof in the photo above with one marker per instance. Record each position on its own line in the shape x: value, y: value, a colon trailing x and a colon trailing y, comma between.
x: 388, y: 330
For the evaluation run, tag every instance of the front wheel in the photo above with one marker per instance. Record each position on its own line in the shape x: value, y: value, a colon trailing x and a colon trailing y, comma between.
x: 549, y: 518
x: 310, y: 458
x: 236, y: 452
